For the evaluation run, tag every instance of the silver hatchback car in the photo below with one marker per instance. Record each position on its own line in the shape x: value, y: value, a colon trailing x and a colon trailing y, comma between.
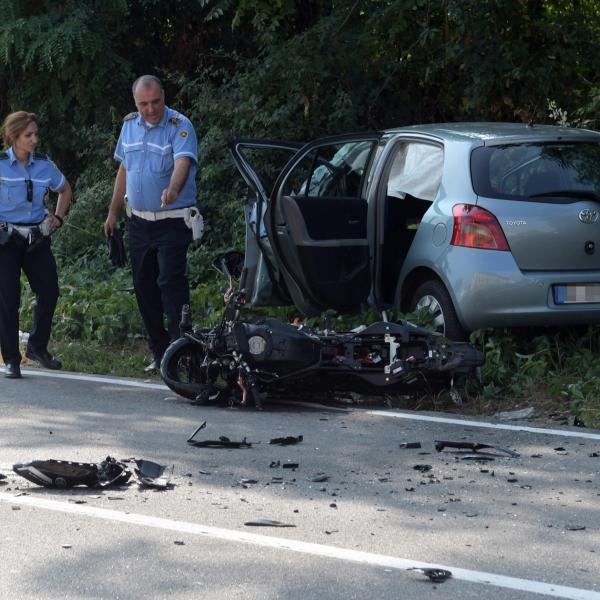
x: 486, y: 224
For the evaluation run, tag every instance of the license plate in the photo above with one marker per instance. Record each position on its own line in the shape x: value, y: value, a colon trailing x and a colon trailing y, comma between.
x: 583, y: 293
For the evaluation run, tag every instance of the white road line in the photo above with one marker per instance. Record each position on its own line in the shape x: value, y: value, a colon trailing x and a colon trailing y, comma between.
x: 95, y: 379
x: 381, y: 413
x: 467, y: 423
x: 367, y: 558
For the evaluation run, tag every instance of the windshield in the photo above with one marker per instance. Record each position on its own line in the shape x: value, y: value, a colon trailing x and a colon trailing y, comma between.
x: 532, y: 170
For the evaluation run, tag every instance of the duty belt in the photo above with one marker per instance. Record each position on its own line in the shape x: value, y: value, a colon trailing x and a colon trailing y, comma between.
x: 28, y: 236
x: 159, y: 215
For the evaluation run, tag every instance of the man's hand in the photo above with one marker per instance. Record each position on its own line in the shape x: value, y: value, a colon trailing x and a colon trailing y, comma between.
x: 168, y: 197
x: 110, y: 224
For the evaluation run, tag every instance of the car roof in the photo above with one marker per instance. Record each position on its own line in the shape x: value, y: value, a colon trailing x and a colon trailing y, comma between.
x: 489, y: 132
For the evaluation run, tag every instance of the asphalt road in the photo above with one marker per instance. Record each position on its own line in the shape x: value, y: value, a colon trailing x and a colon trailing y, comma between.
x: 510, y: 528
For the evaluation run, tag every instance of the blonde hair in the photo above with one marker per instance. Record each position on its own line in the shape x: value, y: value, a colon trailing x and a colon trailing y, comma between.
x: 15, y: 124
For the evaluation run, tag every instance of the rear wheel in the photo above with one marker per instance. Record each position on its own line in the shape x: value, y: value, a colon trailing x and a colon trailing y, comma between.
x: 433, y: 296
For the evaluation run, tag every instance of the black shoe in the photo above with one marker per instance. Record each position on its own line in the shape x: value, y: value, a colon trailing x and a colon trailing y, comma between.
x: 12, y: 370
x: 45, y: 359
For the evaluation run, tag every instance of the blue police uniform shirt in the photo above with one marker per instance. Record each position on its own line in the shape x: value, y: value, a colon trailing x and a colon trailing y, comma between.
x: 148, y: 154
x: 15, y: 206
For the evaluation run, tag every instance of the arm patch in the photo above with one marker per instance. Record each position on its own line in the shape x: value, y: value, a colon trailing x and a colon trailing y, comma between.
x: 175, y: 120
x: 130, y: 116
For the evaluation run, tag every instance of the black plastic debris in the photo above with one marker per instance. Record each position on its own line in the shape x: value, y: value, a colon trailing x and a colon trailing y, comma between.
x: 290, y: 465
x: 222, y: 442
x: 594, y: 455
x: 435, y: 575
x: 319, y: 478
x: 575, y: 527
x: 409, y: 445
x: 422, y: 468
x: 2, y: 476
x: 473, y: 447
x: 267, y: 523
x: 274, y: 464
x: 151, y: 474
x: 287, y: 441
x: 65, y: 474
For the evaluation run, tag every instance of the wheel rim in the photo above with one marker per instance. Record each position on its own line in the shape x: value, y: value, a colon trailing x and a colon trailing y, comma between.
x: 431, y: 303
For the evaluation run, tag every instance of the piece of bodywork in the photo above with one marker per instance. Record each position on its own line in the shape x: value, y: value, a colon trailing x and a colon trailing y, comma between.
x: 66, y: 474
x: 474, y: 447
x: 151, y: 474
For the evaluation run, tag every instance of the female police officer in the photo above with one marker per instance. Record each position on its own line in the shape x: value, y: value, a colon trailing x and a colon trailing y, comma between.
x: 25, y: 228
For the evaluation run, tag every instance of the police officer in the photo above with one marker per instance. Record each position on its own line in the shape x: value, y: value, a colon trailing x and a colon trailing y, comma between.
x: 158, y: 152
x: 25, y: 227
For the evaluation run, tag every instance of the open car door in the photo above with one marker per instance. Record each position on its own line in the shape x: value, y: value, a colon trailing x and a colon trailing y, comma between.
x: 316, y: 223
x: 260, y: 162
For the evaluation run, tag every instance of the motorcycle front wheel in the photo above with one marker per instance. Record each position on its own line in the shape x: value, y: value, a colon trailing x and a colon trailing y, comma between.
x: 185, y: 370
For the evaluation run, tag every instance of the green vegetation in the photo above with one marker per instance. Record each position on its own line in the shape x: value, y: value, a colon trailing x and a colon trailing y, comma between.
x: 292, y: 69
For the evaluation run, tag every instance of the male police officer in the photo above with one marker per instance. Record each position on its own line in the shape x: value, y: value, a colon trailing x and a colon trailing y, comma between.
x: 158, y: 153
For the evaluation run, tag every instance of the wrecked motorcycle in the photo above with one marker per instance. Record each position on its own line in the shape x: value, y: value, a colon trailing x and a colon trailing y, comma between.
x: 268, y: 357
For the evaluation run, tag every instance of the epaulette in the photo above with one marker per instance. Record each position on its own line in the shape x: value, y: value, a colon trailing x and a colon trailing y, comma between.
x: 3, y: 155
x: 130, y: 116
x: 40, y: 156
x: 175, y: 120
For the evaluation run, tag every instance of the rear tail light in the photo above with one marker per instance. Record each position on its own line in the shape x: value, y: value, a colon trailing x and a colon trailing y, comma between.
x: 475, y: 227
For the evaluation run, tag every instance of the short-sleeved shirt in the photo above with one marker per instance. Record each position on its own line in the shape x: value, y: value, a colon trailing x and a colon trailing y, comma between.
x: 148, y: 154
x: 15, y: 206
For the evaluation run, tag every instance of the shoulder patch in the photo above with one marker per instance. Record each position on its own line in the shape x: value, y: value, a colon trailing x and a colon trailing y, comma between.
x: 3, y: 155
x: 130, y: 116
x: 183, y: 133
x: 175, y: 120
x: 40, y: 156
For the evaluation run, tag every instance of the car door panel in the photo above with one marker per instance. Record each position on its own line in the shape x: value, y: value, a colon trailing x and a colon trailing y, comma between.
x: 321, y: 240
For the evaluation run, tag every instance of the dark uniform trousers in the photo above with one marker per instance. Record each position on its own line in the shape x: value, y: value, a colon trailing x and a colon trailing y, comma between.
x: 40, y: 268
x: 158, y: 251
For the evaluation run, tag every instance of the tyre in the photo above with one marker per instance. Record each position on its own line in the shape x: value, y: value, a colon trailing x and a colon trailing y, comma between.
x: 184, y: 370
x: 433, y: 295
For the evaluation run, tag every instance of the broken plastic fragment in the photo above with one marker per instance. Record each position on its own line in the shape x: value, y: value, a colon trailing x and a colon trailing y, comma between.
x: 290, y: 465
x: 151, y: 474
x: 474, y: 447
x: 65, y: 474
x: 222, y: 442
x: 435, y: 575
x: 286, y: 441
x: 268, y: 523
x: 319, y: 478
x: 422, y: 468
x: 410, y: 445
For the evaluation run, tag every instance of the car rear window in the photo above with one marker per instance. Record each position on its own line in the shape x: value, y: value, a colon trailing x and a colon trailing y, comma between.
x: 536, y: 171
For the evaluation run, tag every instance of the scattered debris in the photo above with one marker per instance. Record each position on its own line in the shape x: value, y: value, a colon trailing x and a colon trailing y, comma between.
x: 274, y: 464
x: 65, y: 474
x: 422, y: 468
x: 410, y: 445
x: 179, y: 543
x: 575, y: 527
x: 287, y: 441
x: 474, y: 447
x: 66, y: 545
x: 516, y: 415
x: 290, y: 465
x: 595, y: 455
x: 578, y: 422
x: 222, y: 442
x: 267, y: 523
x: 151, y: 474
x: 435, y: 575
x: 319, y: 478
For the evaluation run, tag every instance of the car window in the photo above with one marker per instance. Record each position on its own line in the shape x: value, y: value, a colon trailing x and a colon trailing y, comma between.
x: 334, y: 170
x: 525, y: 171
x: 416, y: 171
